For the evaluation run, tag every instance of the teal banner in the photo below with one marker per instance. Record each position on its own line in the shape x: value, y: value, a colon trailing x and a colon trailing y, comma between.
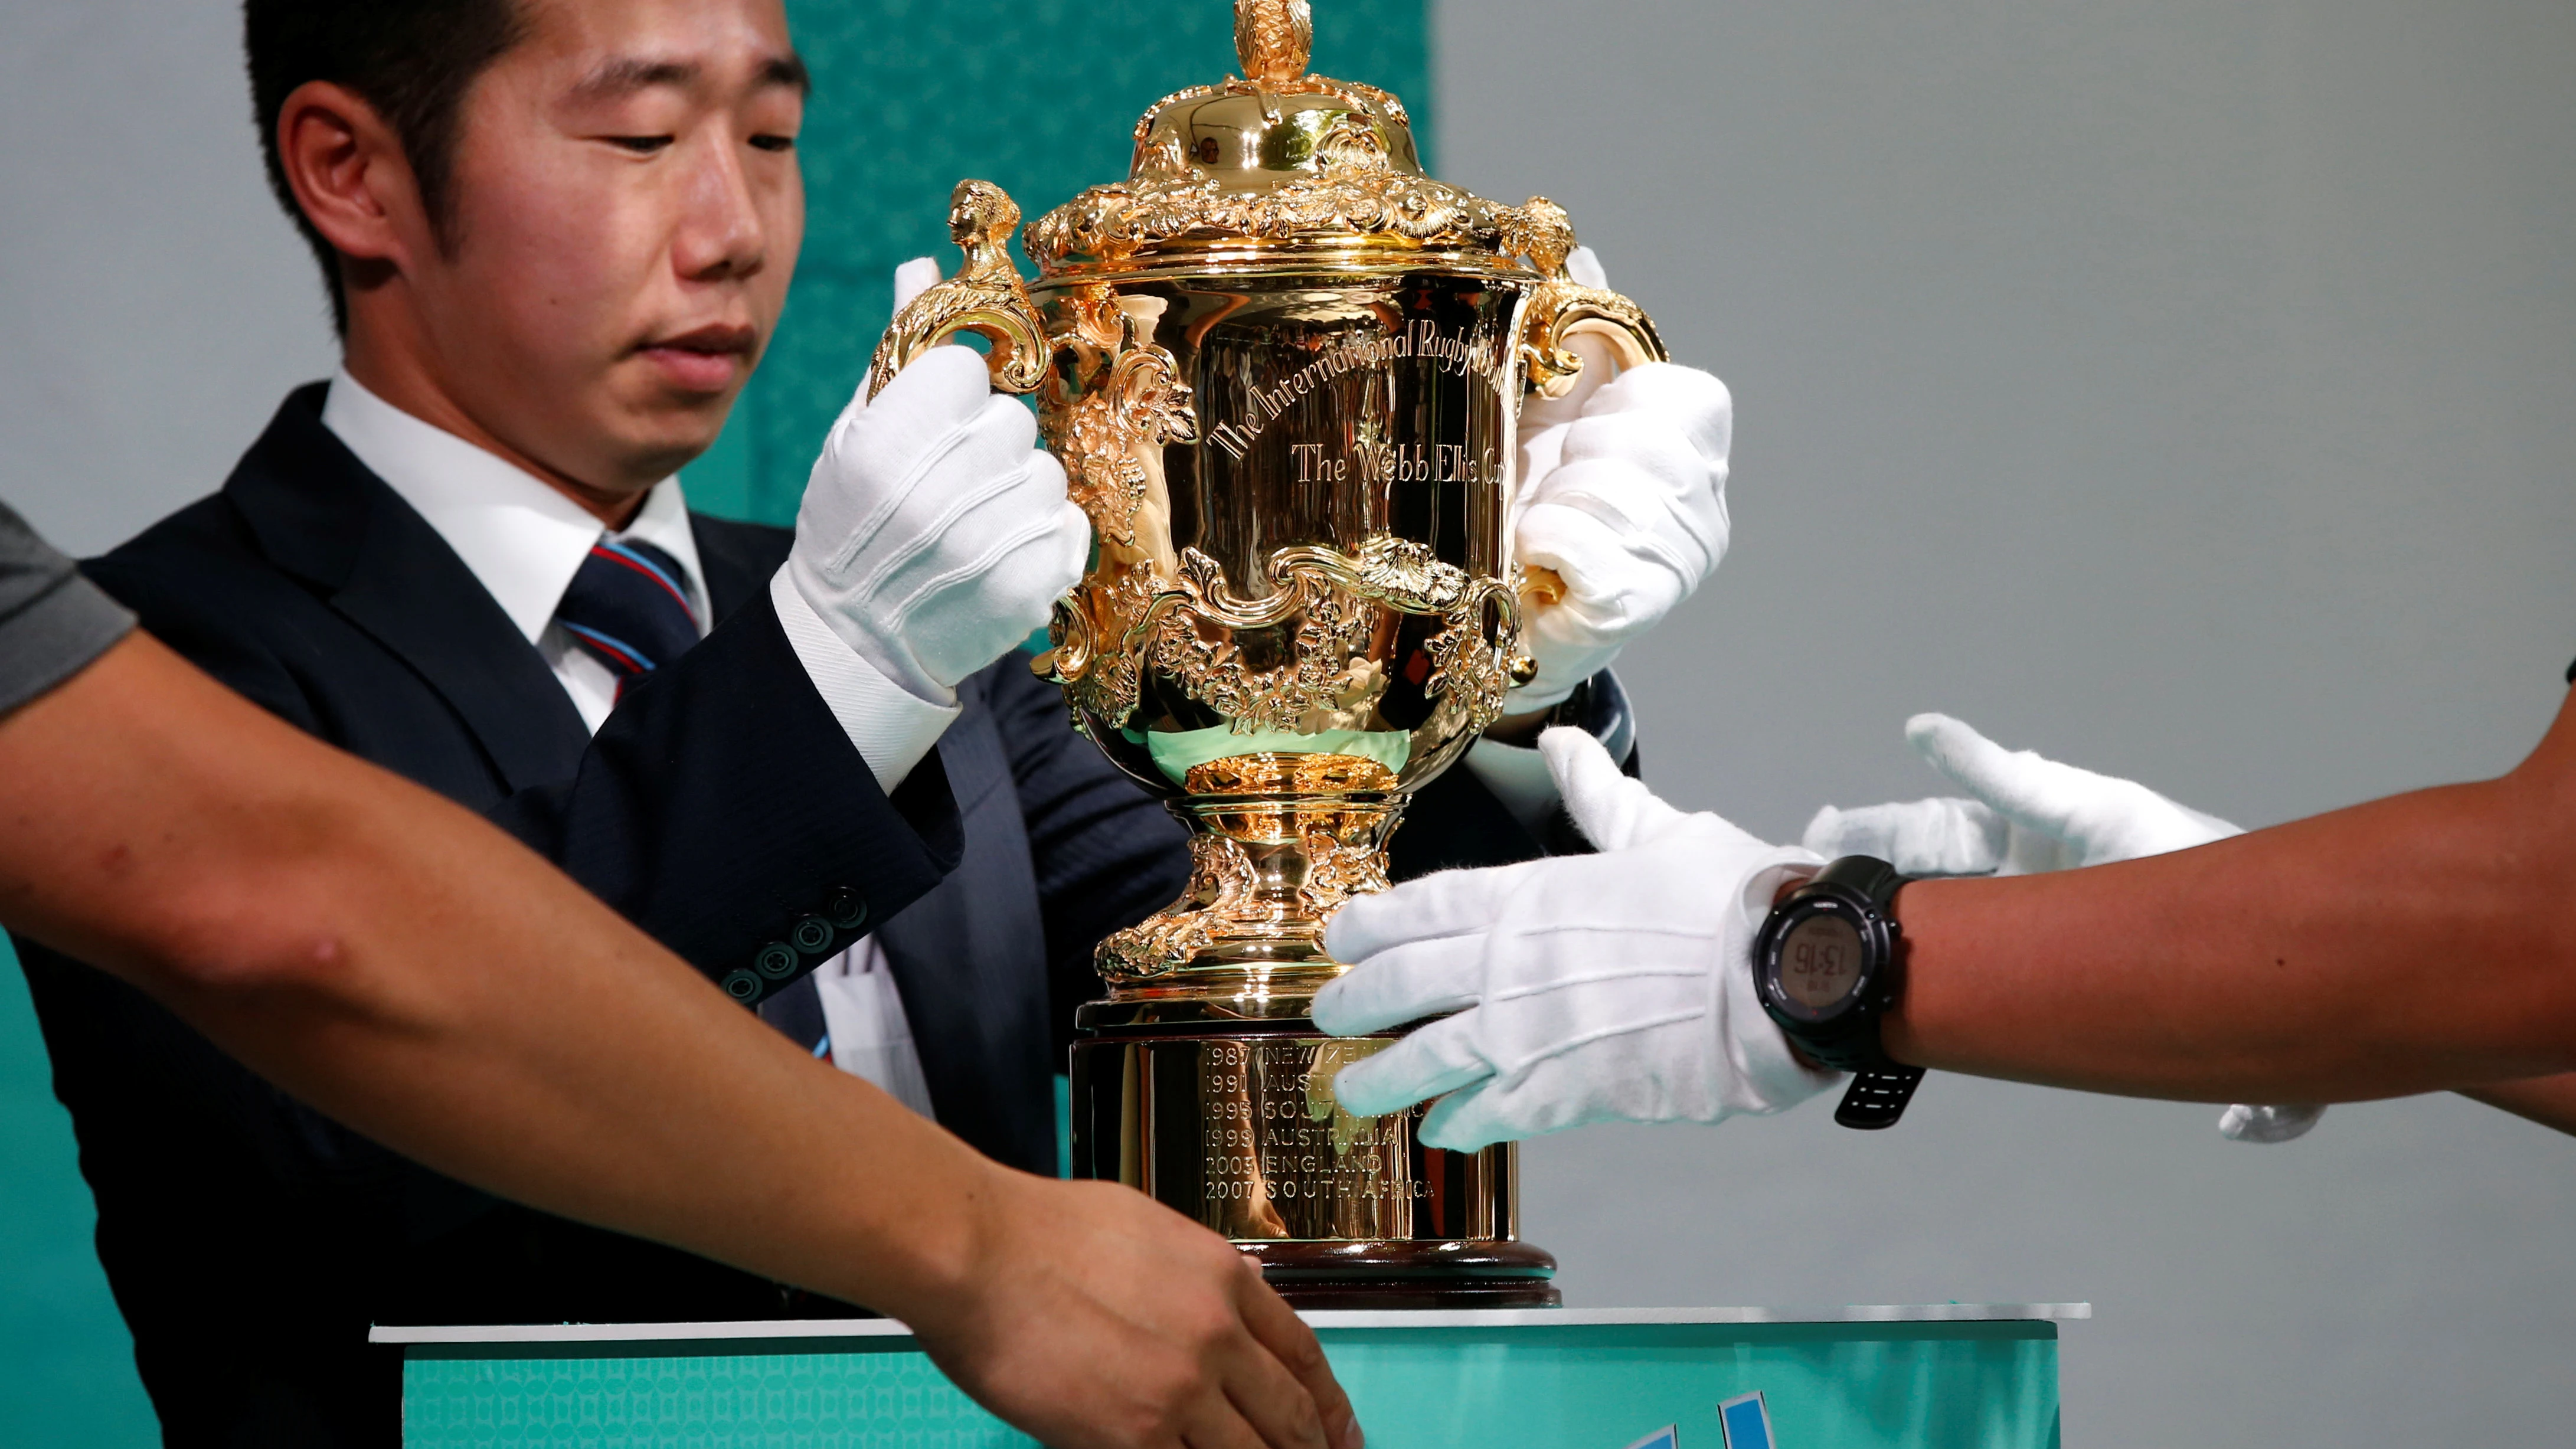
x: 1956, y: 1385
x: 66, y: 1361
x: 1040, y: 97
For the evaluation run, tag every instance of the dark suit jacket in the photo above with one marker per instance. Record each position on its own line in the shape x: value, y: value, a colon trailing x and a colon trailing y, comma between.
x: 251, y: 1241
x: 719, y: 806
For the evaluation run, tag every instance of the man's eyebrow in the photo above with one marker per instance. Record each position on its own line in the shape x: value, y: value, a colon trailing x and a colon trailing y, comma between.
x: 788, y: 70
x: 625, y: 75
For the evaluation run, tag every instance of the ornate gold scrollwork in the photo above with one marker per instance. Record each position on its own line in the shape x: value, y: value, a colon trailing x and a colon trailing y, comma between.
x: 1356, y: 188
x: 1092, y: 660
x: 1328, y: 681
x: 1336, y: 872
x: 1563, y: 308
x: 1176, y: 200
x: 1107, y: 431
x: 986, y: 297
x: 1272, y: 773
x: 1108, y: 631
x: 1242, y: 891
x: 1352, y: 144
x: 1221, y: 883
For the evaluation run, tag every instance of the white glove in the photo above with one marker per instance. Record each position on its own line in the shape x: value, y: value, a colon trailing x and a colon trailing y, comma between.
x: 1623, y: 494
x: 1587, y: 988
x: 935, y: 534
x: 2029, y: 814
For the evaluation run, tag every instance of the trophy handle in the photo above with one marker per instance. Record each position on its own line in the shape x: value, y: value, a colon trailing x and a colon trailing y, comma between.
x: 1561, y: 310
x: 986, y: 297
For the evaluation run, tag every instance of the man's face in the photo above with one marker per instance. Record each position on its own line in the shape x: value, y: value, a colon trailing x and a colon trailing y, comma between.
x: 625, y: 213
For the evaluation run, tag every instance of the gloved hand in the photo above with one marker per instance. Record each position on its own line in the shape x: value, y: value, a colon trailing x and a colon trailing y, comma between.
x: 1623, y: 494
x: 935, y: 535
x: 1587, y: 988
x: 2027, y: 814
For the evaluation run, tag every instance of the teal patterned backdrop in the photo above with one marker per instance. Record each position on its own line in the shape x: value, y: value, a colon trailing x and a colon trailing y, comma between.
x: 910, y: 97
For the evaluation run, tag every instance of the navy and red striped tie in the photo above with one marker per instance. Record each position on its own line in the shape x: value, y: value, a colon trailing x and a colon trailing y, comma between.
x: 629, y: 608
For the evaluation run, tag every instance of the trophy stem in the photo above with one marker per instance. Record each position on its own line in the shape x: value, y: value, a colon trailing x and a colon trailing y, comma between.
x: 1278, y: 843
x: 1203, y: 1082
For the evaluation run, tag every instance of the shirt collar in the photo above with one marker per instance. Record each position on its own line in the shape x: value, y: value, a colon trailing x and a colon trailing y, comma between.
x: 522, y: 539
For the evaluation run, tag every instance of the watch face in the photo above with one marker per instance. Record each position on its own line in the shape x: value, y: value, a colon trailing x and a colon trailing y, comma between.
x: 1820, y: 961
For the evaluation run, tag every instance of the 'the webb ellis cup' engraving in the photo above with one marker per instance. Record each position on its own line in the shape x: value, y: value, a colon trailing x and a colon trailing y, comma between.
x: 1392, y: 463
x: 1469, y: 353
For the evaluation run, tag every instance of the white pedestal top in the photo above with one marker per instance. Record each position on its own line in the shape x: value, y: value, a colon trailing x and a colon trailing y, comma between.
x: 881, y: 1328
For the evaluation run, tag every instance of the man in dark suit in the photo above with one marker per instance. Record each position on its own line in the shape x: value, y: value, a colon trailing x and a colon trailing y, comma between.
x: 556, y: 239
x: 468, y: 551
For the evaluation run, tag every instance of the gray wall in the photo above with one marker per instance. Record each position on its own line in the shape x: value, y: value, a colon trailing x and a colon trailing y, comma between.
x: 2184, y: 388
x: 154, y: 302
x: 153, y: 308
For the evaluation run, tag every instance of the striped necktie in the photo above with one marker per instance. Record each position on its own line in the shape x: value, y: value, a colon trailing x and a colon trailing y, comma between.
x: 629, y: 608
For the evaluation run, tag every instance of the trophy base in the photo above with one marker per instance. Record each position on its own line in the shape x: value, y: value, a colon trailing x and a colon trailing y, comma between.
x: 1408, y: 1275
x: 1226, y: 1113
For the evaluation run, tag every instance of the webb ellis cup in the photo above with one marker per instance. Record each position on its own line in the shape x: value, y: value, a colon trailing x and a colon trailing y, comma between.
x: 1283, y: 368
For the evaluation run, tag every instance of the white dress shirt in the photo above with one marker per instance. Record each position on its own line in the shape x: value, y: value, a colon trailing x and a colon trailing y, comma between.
x: 524, y: 541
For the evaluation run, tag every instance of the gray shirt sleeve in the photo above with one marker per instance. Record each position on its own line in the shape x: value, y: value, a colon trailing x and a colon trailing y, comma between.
x: 53, y: 622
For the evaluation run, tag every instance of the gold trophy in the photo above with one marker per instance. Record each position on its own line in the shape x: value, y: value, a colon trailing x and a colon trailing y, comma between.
x: 1283, y: 368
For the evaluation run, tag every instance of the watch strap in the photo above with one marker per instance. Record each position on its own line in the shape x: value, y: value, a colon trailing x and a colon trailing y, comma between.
x: 1855, y: 1051
x: 1873, y: 878
x: 1876, y: 1098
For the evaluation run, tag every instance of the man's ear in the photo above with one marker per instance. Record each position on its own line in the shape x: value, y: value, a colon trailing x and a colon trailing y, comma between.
x: 349, y: 174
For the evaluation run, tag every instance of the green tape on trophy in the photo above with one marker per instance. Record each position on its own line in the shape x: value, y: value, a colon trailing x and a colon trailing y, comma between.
x: 1178, y: 753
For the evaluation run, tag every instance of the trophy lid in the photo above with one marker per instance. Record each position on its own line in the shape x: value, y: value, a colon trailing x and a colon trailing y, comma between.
x: 1281, y: 163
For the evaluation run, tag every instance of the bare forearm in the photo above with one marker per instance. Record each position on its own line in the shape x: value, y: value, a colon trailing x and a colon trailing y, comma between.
x: 2411, y: 944
x: 2549, y: 1101
x: 392, y: 959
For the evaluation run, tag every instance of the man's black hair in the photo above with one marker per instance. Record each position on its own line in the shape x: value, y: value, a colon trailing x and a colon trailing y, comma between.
x: 413, y: 60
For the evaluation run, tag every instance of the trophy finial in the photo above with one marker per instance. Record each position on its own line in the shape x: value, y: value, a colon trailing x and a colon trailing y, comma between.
x: 1274, y: 39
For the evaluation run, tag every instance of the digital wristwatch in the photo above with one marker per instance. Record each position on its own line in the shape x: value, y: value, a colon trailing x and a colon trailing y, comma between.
x: 1829, y: 964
